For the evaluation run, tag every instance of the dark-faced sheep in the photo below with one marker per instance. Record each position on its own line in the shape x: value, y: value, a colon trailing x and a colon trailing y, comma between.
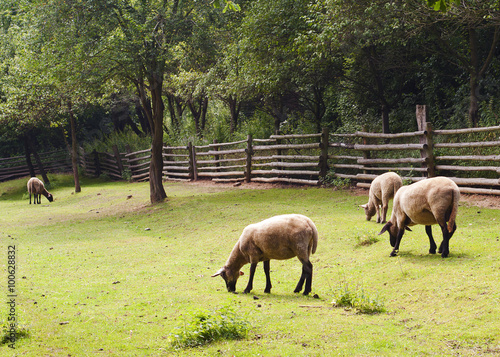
x: 280, y: 237
x: 382, y: 189
x: 36, y: 188
x: 427, y: 202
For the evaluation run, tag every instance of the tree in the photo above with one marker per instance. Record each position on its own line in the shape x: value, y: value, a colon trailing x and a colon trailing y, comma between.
x: 466, y: 35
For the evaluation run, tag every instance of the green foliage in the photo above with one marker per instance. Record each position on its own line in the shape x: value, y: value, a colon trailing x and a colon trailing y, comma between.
x: 338, y: 183
x: 11, y: 335
x: 356, y: 299
x: 121, y: 140
x: 203, y: 327
x: 365, y: 238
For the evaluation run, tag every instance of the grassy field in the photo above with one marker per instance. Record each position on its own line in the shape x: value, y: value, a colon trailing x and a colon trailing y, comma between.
x: 102, y: 273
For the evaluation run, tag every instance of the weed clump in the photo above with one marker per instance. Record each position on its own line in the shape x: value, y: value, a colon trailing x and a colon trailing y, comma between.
x: 204, y: 327
x: 365, y: 239
x: 10, y: 335
x: 357, y: 299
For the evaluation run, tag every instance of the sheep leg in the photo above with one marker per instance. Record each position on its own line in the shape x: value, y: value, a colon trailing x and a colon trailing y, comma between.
x: 432, y: 249
x: 444, y: 247
x: 398, y: 240
x: 30, y: 197
x: 306, y: 276
x: 450, y: 234
x: 267, y: 269
x: 384, y: 212
x: 249, y: 287
x: 377, y: 208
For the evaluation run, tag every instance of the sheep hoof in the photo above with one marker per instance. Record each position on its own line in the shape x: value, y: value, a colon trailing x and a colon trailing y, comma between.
x: 267, y: 291
x: 432, y: 251
x: 444, y: 255
x: 394, y: 253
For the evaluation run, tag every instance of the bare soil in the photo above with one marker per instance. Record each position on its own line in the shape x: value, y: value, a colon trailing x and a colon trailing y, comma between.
x: 484, y: 201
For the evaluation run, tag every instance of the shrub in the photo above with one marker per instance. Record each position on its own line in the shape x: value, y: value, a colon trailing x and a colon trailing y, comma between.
x: 204, y: 327
x: 7, y: 335
x: 357, y: 300
x: 365, y: 238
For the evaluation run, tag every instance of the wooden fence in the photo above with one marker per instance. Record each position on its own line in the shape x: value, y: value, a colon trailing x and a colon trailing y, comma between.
x: 468, y: 156
x: 16, y: 167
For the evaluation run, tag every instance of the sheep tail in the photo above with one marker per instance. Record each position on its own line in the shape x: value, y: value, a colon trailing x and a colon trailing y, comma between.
x: 454, y: 210
x: 315, y: 237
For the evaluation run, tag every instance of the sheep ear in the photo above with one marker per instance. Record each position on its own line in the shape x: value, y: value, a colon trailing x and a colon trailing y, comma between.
x: 408, y: 229
x: 221, y: 270
x: 363, y: 206
x: 385, y: 228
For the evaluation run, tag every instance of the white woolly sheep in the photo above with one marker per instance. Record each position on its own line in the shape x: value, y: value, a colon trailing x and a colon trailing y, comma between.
x: 280, y: 237
x: 36, y: 187
x: 427, y: 202
x: 382, y: 189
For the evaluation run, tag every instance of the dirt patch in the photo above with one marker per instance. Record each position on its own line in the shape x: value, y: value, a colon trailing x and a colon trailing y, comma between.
x: 485, y: 201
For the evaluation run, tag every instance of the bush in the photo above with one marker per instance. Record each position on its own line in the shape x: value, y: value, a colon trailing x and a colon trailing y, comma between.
x: 205, y: 327
x: 365, y: 238
x: 357, y: 300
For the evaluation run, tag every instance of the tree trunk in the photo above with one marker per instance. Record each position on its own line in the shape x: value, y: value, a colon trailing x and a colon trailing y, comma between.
x: 234, y: 108
x: 156, y: 190
x: 27, y: 152
x: 474, y: 78
x: 74, y: 151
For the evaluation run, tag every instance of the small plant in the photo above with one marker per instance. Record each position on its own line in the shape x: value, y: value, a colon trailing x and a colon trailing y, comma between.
x: 365, y: 238
x: 10, y: 335
x: 208, y: 326
x: 357, y: 300
x: 338, y: 183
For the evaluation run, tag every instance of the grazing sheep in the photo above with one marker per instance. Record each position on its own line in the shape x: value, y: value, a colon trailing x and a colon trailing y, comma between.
x: 426, y: 202
x: 280, y: 237
x: 36, y: 187
x: 382, y: 190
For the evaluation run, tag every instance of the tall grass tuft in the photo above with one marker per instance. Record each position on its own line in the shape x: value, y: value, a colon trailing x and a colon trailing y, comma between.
x: 357, y: 300
x: 204, y: 327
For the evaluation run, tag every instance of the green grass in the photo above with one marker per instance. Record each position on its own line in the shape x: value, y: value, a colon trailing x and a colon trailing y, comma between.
x: 102, y: 274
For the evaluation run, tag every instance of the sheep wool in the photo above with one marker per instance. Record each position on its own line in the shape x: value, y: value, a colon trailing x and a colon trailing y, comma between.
x: 427, y: 202
x: 382, y: 190
x: 37, y: 188
x: 279, y: 237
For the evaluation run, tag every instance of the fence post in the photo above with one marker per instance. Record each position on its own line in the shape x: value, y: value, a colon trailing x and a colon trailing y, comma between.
x: 323, y: 159
x: 118, y: 159
x: 193, y: 174
x: 426, y: 139
x: 97, y: 164
x: 249, y: 151
x: 366, y: 154
x: 216, y: 157
x: 129, y: 162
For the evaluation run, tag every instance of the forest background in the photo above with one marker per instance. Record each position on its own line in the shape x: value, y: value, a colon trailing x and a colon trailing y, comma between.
x: 148, y: 72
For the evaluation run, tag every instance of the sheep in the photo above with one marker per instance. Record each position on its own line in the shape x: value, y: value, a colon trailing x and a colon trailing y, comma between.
x: 279, y: 237
x: 427, y: 202
x: 382, y: 190
x: 36, y: 187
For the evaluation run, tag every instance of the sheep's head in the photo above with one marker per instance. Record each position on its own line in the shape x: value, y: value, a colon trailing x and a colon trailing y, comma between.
x: 230, y: 277
x: 393, y: 232
x: 369, y: 211
x: 50, y: 197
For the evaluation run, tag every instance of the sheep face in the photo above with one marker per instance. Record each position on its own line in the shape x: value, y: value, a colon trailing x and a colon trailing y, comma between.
x: 230, y: 277
x: 50, y: 197
x: 393, y: 232
x: 369, y: 211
